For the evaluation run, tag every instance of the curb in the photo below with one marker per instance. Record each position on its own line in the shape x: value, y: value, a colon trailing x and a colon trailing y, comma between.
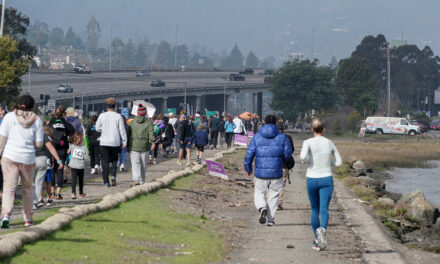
x: 13, y: 242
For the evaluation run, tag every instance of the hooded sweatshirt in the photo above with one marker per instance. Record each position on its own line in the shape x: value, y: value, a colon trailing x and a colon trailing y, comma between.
x: 140, y: 133
x: 271, y: 149
x: 20, y: 132
x: 75, y: 123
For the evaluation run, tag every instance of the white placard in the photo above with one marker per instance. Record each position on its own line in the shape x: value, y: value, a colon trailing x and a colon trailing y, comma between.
x: 150, y: 108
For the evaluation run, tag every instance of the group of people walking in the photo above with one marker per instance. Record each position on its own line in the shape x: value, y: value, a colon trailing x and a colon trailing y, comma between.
x: 272, y: 150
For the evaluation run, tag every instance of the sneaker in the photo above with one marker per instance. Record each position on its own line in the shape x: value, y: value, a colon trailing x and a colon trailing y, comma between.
x: 106, y: 184
x: 137, y: 183
x: 154, y: 162
x: 92, y: 171
x: 263, y: 214
x: 58, y: 196
x: 28, y: 223
x: 49, y: 201
x: 179, y: 162
x: 73, y: 196
x: 280, y: 207
x: 150, y: 161
x: 40, y: 203
x: 322, y: 241
x: 270, y: 223
x: 52, y: 195
x: 82, y: 195
x: 113, y: 181
x: 5, y: 223
x: 212, y: 147
x: 315, y: 245
x: 199, y: 161
x: 188, y: 164
x: 122, y: 168
x: 35, y: 207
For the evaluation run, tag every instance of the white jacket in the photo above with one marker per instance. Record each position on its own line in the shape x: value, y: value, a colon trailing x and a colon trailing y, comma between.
x: 239, y: 126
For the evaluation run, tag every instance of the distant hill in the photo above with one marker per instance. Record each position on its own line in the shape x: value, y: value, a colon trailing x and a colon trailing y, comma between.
x: 266, y: 27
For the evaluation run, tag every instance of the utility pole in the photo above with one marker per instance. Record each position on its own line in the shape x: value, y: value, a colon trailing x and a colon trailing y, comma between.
x: 184, y: 97
x: 2, y: 23
x: 29, y: 79
x: 175, y: 51
x: 111, y: 36
x: 312, y: 46
x: 388, y: 79
x: 224, y: 97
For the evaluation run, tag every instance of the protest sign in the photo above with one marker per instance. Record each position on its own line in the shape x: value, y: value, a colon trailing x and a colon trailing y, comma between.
x: 250, y: 133
x: 240, y: 140
x: 216, y: 169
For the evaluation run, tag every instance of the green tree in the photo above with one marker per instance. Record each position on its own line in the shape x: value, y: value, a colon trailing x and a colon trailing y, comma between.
x: 357, y: 84
x: 11, y: 68
x: 56, y: 37
x: 72, y: 40
x: 234, y: 60
x: 334, y: 63
x: 251, y: 60
x: 141, y: 55
x: 200, y: 61
x: 268, y: 62
x: 129, y: 53
x: 300, y: 86
x: 93, y: 34
x: 182, y: 55
x: 164, y: 54
x: 352, y: 120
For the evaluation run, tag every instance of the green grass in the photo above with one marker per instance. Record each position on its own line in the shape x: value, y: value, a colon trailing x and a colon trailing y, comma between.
x: 143, y: 230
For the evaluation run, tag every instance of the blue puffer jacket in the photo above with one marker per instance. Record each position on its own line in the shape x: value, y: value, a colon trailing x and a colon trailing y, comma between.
x: 200, y: 138
x: 271, y: 149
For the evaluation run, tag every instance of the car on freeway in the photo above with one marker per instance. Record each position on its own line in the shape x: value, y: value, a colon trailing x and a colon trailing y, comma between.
x: 65, y: 88
x: 247, y: 71
x: 435, y: 124
x: 142, y: 73
x: 83, y: 69
x: 266, y: 72
x: 236, y: 77
x: 157, y: 83
x: 267, y: 80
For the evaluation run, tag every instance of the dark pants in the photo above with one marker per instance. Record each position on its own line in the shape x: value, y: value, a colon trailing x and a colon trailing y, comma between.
x: 77, y: 174
x: 229, y: 136
x: 154, y: 151
x: 94, y: 154
x: 214, y: 138
x: 57, y: 179
x: 109, y: 155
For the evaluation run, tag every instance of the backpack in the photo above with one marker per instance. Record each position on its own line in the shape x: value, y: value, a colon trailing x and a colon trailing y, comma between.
x: 290, y: 163
x: 59, y: 134
x: 156, y: 130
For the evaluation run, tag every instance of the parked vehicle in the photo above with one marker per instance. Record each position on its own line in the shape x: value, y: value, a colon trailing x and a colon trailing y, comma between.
x: 142, y: 73
x: 236, y: 77
x: 267, y: 80
x: 423, y: 124
x: 390, y: 125
x: 83, y: 69
x: 435, y: 125
x: 266, y: 72
x: 157, y: 83
x: 65, y: 88
x: 247, y: 71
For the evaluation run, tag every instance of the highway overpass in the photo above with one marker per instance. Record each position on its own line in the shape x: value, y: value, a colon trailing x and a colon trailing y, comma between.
x: 200, y: 90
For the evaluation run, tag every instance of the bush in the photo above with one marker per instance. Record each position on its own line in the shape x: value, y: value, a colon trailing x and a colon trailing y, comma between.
x: 353, y: 119
x: 337, y: 127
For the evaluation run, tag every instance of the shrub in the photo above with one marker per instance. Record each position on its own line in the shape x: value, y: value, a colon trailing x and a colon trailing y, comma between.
x: 353, y: 119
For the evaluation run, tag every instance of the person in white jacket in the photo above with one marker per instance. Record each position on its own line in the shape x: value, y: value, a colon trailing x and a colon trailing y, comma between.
x: 239, y: 126
x: 319, y: 152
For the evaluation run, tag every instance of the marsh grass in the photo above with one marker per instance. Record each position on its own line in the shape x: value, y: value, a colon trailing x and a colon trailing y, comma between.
x: 382, y: 154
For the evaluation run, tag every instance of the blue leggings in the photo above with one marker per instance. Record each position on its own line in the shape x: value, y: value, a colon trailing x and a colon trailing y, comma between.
x: 320, y: 193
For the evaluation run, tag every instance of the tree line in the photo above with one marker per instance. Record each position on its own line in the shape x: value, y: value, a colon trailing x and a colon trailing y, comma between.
x: 359, y: 80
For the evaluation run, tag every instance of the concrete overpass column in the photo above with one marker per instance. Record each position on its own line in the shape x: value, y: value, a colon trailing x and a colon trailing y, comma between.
x: 198, y: 103
x: 258, y: 104
x: 226, y: 104
x: 164, y: 105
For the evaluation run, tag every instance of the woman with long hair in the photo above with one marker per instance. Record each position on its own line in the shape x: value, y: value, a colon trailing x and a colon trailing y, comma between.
x: 21, y: 132
x: 229, y: 129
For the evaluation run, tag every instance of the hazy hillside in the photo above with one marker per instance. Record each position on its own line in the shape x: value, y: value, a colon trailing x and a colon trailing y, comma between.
x: 267, y: 27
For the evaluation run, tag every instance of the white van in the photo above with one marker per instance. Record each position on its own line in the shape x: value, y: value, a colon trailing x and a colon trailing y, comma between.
x: 390, y: 125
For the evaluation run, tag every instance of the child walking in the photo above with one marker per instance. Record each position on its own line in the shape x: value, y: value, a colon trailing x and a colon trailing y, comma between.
x: 78, y: 159
x: 200, y: 141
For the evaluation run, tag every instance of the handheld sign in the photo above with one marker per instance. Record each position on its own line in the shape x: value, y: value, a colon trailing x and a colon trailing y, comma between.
x: 250, y: 133
x: 240, y: 140
x: 216, y: 169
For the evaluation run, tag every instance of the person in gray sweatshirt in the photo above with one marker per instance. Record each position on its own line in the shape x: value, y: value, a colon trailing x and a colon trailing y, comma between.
x: 77, y: 163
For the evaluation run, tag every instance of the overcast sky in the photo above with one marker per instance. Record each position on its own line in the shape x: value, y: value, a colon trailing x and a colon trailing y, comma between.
x: 268, y: 27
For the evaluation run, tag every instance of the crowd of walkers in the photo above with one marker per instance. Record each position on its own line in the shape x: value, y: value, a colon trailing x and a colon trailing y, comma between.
x: 44, y: 155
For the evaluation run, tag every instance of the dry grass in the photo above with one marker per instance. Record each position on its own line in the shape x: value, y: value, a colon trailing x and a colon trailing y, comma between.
x: 378, y: 153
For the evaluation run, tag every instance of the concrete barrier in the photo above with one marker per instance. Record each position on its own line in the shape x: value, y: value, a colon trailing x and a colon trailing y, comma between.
x: 13, y: 242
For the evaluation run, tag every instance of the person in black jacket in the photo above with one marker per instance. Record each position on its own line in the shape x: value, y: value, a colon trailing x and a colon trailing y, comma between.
x: 93, y: 138
x: 285, y: 169
x: 167, y: 136
x: 186, y: 137
x: 214, y: 127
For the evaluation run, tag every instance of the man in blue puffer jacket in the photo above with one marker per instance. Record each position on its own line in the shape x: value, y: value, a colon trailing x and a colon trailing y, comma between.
x: 271, y: 149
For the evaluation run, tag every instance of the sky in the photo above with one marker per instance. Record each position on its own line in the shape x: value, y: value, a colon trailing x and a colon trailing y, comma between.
x: 267, y: 27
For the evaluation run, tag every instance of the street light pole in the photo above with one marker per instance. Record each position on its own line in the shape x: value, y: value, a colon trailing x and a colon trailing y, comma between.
x: 111, y: 36
x: 388, y: 79
x: 313, y: 44
x: 29, y: 80
x: 2, y: 23
x: 175, y: 51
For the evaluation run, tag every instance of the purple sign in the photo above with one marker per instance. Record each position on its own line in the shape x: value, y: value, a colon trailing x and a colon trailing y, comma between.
x: 240, y: 140
x: 250, y: 133
x: 216, y: 169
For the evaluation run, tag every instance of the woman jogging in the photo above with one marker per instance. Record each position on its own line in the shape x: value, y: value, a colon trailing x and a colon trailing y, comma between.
x: 318, y: 152
x: 20, y: 133
x: 229, y: 129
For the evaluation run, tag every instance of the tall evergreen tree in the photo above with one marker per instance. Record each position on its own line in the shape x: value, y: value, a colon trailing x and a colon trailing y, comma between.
x: 252, y: 61
x: 234, y: 60
x: 141, y: 55
x: 164, y: 54
x: 93, y: 34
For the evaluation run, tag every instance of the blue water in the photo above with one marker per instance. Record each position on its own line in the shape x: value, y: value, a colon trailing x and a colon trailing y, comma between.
x: 406, y: 180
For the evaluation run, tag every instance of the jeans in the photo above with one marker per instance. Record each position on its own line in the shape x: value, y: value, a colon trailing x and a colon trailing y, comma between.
x: 11, y: 172
x: 39, y: 174
x: 272, y: 188
x: 229, y: 136
x: 77, y: 174
x: 138, y: 165
x: 94, y: 154
x: 177, y: 142
x: 214, y: 138
x: 109, y: 155
x: 122, y: 156
x: 57, y: 179
x: 320, y: 192
x: 222, y: 137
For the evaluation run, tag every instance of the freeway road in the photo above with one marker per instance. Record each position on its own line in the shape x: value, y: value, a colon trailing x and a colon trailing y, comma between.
x: 47, y: 83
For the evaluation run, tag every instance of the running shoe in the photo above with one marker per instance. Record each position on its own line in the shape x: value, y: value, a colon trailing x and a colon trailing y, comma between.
x: 315, y: 245
x: 28, y: 223
x: 113, y: 181
x: 179, y: 162
x: 280, y: 207
x: 49, y: 201
x: 5, y: 223
x: 35, y: 207
x: 270, y: 223
x: 322, y: 240
x: 58, y: 196
x: 263, y: 214
x: 188, y: 164
x: 106, y: 184
x: 122, y: 168
x: 92, y: 171
x: 154, y: 162
x: 82, y: 195
x: 137, y: 183
x: 40, y: 203
x: 73, y: 196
